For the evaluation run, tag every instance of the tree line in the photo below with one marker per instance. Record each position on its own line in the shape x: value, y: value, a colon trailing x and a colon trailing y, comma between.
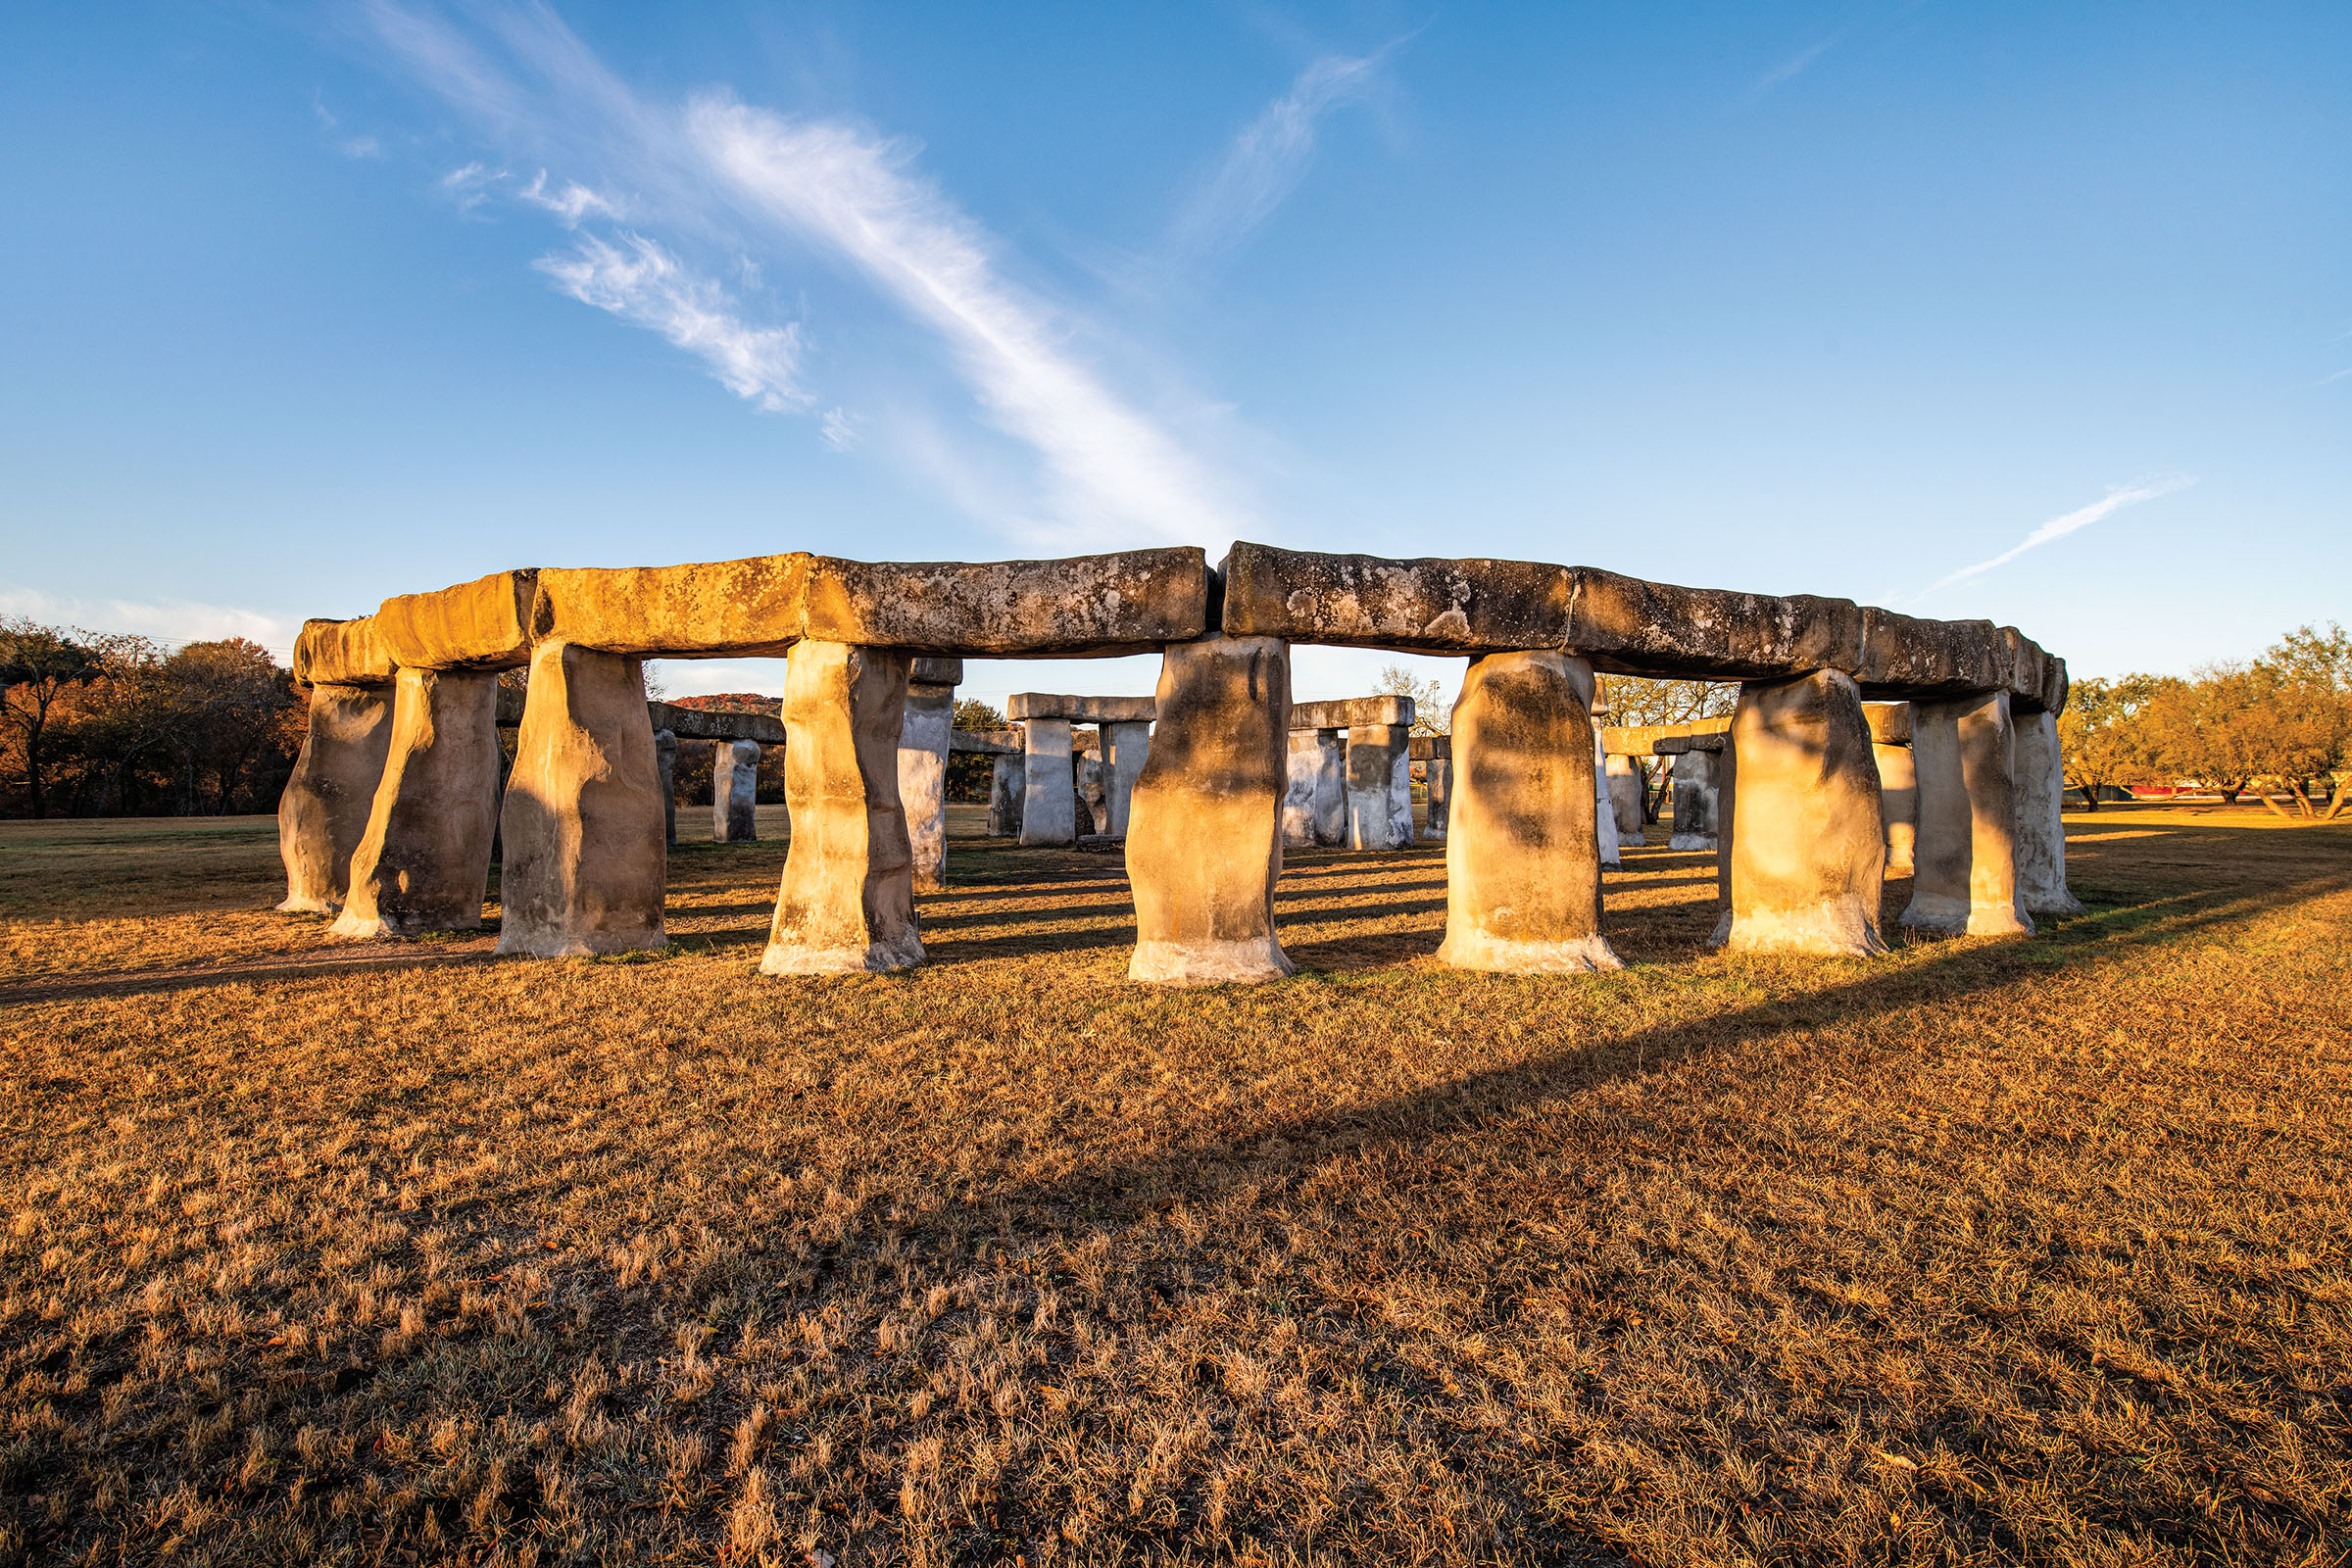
x: 109, y: 724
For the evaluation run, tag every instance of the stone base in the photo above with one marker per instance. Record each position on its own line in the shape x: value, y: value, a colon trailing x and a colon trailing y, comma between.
x: 1211, y: 964
x: 1831, y: 931
x: 308, y: 904
x: 1957, y: 918
x: 354, y: 926
x: 1477, y: 950
x: 541, y: 944
x: 1631, y: 841
x: 2051, y: 905
x: 1692, y: 840
x: 880, y: 957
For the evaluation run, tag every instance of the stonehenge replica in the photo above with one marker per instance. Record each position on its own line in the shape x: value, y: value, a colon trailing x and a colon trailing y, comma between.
x: 1861, y: 737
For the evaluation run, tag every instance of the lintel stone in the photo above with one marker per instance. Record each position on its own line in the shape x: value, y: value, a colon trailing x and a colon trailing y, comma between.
x: 1346, y: 712
x: 1426, y: 606
x: 1080, y: 709
x: 1633, y: 627
x: 483, y: 624
x: 343, y: 653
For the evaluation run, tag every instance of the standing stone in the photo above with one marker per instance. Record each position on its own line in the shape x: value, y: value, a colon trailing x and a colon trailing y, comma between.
x: 1437, y: 776
x: 1624, y: 799
x: 666, y: 763
x: 1400, y: 797
x: 1696, y: 810
x: 735, y: 792
x: 1375, y: 754
x: 1965, y: 878
x: 1522, y: 854
x: 1125, y: 746
x: 1007, y: 789
x: 1205, y: 841
x: 1331, y: 788
x: 1093, y: 813
x: 323, y: 812
x: 1306, y: 768
x: 1807, y: 852
x: 846, y: 905
x: 587, y: 859
x: 2040, y: 777
x: 423, y: 862
x: 1604, y: 812
x: 924, y: 735
x: 1050, y: 808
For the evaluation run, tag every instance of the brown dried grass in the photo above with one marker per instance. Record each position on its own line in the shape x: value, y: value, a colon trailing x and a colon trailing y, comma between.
x: 1986, y: 1252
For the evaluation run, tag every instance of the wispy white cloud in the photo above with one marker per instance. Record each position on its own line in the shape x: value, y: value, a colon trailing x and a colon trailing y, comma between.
x: 1788, y: 70
x: 640, y: 281
x: 168, y: 621
x: 471, y: 186
x: 858, y: 195
x: 839, y: 429
x: 1267, y: 160
x: 361, y: 147
x: 572, y: 204
x: 2338, y: 375
x: 2058, y: 527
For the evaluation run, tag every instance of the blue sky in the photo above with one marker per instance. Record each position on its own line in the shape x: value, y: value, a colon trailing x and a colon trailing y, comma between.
x: 304, y: 306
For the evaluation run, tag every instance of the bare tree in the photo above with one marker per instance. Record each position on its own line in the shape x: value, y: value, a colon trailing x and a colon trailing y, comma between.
x: 39, y: 665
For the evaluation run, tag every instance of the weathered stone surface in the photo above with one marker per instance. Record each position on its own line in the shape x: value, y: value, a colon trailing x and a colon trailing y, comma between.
x: 423, y: 862
x: 1346, y: 712
x: 1204, y: 836
x: 756, y: 607
x: 1008, y: 787
x: 735, y: 793
x: 1305, y: 767
x: 1126, y: 746
x: 987, y: 743
x: 1023, y: 705
x: 1696, y: 818
x: 2055, y: 685
x: 1093, y: 813
x: 846, y: 905
x: 666, y: 766
x: 1438, y: 775
x: 1522, y: 862
x: 1375, y: 755
x: 1807, y: 851
x: 1637, y: 627
x: 483, y: 624
x: 1889, y: 723
x: 1094, y: 606
x: 935, y: 671
x: 1907, y: 659
x: 926, y: 729
x: 1049, y: 808
x: 1605, y: 815
x: 1898, y: 803
x: 715, y: 723
x: 2039, y: 773
x: 1431, y: 606
x: 2029, y: 671
x: 1427, y: 747
x: 584, y: 826
x: 323, y: 815
x: 1965, y: 875
x: 1642, y: 740
x: 1680, y: 744
x: 1626, y: 789
x: 342, y: 653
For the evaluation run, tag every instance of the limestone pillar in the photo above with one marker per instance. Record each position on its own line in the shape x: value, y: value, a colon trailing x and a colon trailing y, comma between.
x: 1898, y: 802
x: 1305, y: 768
x: 1696, y: 809
x: 1125, y: 746
x: 1807, y: 852
x: 1521, y: 852
x: 924, y: 734
x: 2040, y: 777
x: 1604, y: 815
x: 1437, y: 774
x: 1007, y: 789
x: 423, y: 862
x: 1965, y: 875
x: 1376, y: 754
x: 735, y: 792
x: 1050, y: 806
x: 1331, y: 788
x: 1092, y: 813
x: 846, y: 905
x: 666, y: 765
x: 1205, y: 838
x: 587, y: 859
x: 323, y: 812
x: 1624, y: 799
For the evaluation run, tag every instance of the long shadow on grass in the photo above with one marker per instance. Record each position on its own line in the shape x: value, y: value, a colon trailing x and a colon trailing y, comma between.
x: 1969, y: 968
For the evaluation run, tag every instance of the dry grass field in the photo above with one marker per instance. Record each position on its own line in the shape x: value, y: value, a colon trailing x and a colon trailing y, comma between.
x: 1986, y: 1252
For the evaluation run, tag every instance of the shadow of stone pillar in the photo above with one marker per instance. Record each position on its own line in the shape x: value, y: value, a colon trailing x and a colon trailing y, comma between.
x: 847, y: 904
x: 1205, y: 838
x: 1807, y: 851
x: 323, y: 815
x: 2039, y: 773
x: 1965, y: 863
x: 587, y: 857
x: 1522, y: 845
x: 423, y: 864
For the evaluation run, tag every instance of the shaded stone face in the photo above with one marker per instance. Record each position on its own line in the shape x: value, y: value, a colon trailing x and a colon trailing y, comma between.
x: 1049, y: 804
x: 1605, y: 813
x: 1626, y: 789
x: 1697, y: 810
x: 1965, y: 861
x: 846, y: 905
x: 1639, y: 627
x: 584, y: 825
x: 423, y: 862
x: 1378, y: 754
x: 1023, y: 705
x: 1428, y: 606
x: 2040, y: 772
x: 1906, y: 658
x: 1898, y: 802
x: 734, y: 792
x: 1522, y: 846
x: 1007, y: 788
x: 323, y: 813
x: 1646, y: 740
x: 1437, y: 776
x: 1205, y: 838
x: 342, y: 653
x: 1305, y: 767
x: 666, y: 765
x: 1096, y: 605
x: 1346, y: 712
x: 715, y: 724
x: 1889, y: 723
x: 923, y: 735
x: 1126, y: 748
x: 485, y: 625
x: 1807, y: 851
